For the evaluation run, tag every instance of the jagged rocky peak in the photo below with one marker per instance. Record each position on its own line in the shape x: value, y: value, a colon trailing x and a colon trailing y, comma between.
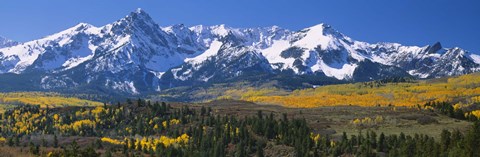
x: 434, y: 48
x: 82, y: 26
x: 139, y: 15
x: 138, y: 20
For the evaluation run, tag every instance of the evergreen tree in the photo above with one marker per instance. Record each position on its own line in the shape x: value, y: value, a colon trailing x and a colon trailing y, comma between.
x: 445, y: 140
x: 17, y: 141
x: 55, y: 141
x: 381, y: 143
x: 260, y: 146
x: 10, y: 141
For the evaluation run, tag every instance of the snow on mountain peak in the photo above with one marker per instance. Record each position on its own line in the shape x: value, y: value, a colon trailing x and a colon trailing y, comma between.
x: 475, y: 58
x: 174, y: 28
x: 79, y: 28
x: 322, y: 35
x: 139, y: 10
x: 323, y: 28
x: 134, y: 54
x: 82, y: 25
x: 137, y: 18
x: 320, y: 26
x: 65, y: 42
x: 4, y: 42
x: 197, y: 28
x: 275, y: 27
x: 220, y: 30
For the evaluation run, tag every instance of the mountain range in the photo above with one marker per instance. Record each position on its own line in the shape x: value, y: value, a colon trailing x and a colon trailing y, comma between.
x: 134, y: 55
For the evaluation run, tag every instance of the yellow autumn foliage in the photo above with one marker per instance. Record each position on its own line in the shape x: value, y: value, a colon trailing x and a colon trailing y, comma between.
x: 152, y: 143
x: 357, y: 121
x: 368, y: 121
x: 475, y: 99
x: 172, y: 122
x: 98, y: 110
x: 379, y: 119
x: 475, y: 113
x: 112, y: 141
x: 26, y: 122
x: 244, y: 93
x: 44, y: 99
x: 77, y: 125
x: 56, y: 117
x: 397, y: 94
x: 457, y: 106
x: 315, y: 137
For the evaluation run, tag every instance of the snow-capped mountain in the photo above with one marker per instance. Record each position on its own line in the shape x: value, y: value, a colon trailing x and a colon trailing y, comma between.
x: 135, y: 55
x: 4, y: 42
x: 321, y: 50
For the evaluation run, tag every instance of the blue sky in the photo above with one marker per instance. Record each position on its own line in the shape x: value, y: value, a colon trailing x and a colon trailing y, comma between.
x: 409, y: 22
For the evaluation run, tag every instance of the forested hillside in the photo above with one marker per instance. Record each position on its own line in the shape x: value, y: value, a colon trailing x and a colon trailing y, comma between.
x: 144, y: 128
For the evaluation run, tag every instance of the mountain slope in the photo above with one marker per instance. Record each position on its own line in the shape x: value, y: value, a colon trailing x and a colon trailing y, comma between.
x: 134, y: 55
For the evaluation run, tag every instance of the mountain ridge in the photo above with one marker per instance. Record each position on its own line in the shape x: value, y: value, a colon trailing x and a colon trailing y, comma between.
x: 4, y: 42
x: 134, y: 55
